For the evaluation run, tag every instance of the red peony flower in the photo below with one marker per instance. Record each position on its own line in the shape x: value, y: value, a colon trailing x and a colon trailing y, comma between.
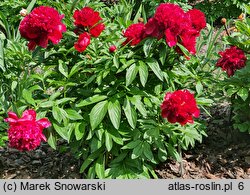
x: 134, y: 34
x: 232, y: 59
x: 83, y: 42
x: 153, y: 29
x: 173, y: 19
x: 88, y: 20
x: 179, y: 106
x: 112, y: 48
x: 198, y: 19
x: 41, y: 25
x: 25, y: 133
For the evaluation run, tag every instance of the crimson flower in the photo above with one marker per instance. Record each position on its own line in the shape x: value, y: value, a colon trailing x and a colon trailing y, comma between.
x: 25, y: 133
x: 134, y: 34
x: 83, y: 42
x: 112, y: 48
x: 179, y: 106
x: 88, y: 20
x: 232, y: 59
x: 41, y: 25
x: 198, y: 19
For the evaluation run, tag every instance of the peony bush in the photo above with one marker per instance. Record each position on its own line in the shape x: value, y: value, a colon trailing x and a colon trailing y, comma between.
x: 124, y: 92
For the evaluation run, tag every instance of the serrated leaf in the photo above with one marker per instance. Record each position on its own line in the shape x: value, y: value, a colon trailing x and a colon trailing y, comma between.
x: 73, y: 114
x: 130, y: 113
x: 63, y: 68
x: 154, y: 66
x: 97, y: 113
x: 143, y: 72
x: 131, y: 74
x: 91, y: 100
x: 114, y: 110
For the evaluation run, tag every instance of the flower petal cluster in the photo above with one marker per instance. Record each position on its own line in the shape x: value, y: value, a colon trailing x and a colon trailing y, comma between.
x: 172, y: 23
x: 83, y: 42
x: 42, y: 25
x: 87, y: 21
x: 25, y: 133
x: 179, y: 106
x: 134, y: 34
x: 232, y: 59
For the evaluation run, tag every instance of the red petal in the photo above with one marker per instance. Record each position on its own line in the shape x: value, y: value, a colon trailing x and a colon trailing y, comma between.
x: 29, y: 115
x: 44, y: 123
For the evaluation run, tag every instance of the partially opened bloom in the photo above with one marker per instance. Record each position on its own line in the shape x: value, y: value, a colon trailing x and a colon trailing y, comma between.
x: 25, y: 133
x: 88, y: 20
x: 42, y: 25
x: 83, y: 42
x: 179, y: 106
x: 232, y: 59
x: 134, y: 34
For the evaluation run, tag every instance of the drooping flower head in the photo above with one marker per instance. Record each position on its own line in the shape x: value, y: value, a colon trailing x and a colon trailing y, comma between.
x: 134, y: 34
x: 25, y: 133
x: 88, y: 20
x: 232, y: 59
x: 179, y: 106
x: 42, y: 25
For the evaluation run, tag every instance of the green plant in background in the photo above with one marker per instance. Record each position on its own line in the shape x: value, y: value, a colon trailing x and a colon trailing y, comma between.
x: 106, y: 105
x: 237, y: 87
x: 222, y: 8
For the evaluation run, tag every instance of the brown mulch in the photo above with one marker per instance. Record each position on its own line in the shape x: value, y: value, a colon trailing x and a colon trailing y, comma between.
x: 225, y: 153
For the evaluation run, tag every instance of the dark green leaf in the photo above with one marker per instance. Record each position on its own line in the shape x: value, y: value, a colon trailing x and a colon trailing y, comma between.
x: 132, y: 144
x: 131, y: 74
x: 108, y: 141
x: 97, y: 113
x: 91, y: 100
x: 114, y: 110
x: 80, y: 130
x: 99, y: 167
x: 130, y: 113
x: 63, y: 68
x: 143, y: 72
x: 154, y: 66
x: 73, y: 114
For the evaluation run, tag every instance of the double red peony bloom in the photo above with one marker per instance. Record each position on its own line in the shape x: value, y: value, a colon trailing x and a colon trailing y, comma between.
x: 88, y: 23
x: 171, y: 22
x: 179, y: 106
x: 25, y: 133
x: 42, y: 25
x: 232, y: 59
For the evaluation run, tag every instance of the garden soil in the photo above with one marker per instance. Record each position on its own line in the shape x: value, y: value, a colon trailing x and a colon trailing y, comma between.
x: 225, y: 153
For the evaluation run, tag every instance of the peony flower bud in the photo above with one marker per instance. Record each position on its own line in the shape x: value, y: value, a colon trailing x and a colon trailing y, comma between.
x: 112, y: 48
x: 23, y: 12
x: 223, y: 21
